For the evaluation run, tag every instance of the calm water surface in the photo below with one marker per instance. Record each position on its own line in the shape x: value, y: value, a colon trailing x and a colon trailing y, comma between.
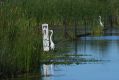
x: 101, y: 48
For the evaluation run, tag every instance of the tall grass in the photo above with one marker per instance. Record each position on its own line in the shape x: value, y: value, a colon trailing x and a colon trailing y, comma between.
x: 20, y: 23
x: 20, y: 40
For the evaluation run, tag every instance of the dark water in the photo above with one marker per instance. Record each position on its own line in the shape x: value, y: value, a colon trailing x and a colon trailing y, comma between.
x: 98, y: 47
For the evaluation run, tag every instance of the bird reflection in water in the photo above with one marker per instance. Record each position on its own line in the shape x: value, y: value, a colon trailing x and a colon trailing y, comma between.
x: 47, y: 69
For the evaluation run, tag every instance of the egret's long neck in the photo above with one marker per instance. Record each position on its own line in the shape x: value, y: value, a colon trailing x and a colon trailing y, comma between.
x: 100, y: 20
x: 51, y: 37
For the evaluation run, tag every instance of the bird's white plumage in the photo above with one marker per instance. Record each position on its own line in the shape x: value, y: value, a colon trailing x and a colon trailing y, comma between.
x: 100, y: 21
x: 52, y: 45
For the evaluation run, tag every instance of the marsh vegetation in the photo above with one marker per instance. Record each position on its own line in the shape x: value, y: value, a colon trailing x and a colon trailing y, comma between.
x: 20, y: 27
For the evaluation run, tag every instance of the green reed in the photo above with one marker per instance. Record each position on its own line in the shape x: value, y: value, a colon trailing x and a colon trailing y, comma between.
x: 20, y: 26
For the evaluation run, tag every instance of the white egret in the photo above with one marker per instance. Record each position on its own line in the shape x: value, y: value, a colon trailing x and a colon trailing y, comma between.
x: 100, y: 21
x: 52, y: 45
